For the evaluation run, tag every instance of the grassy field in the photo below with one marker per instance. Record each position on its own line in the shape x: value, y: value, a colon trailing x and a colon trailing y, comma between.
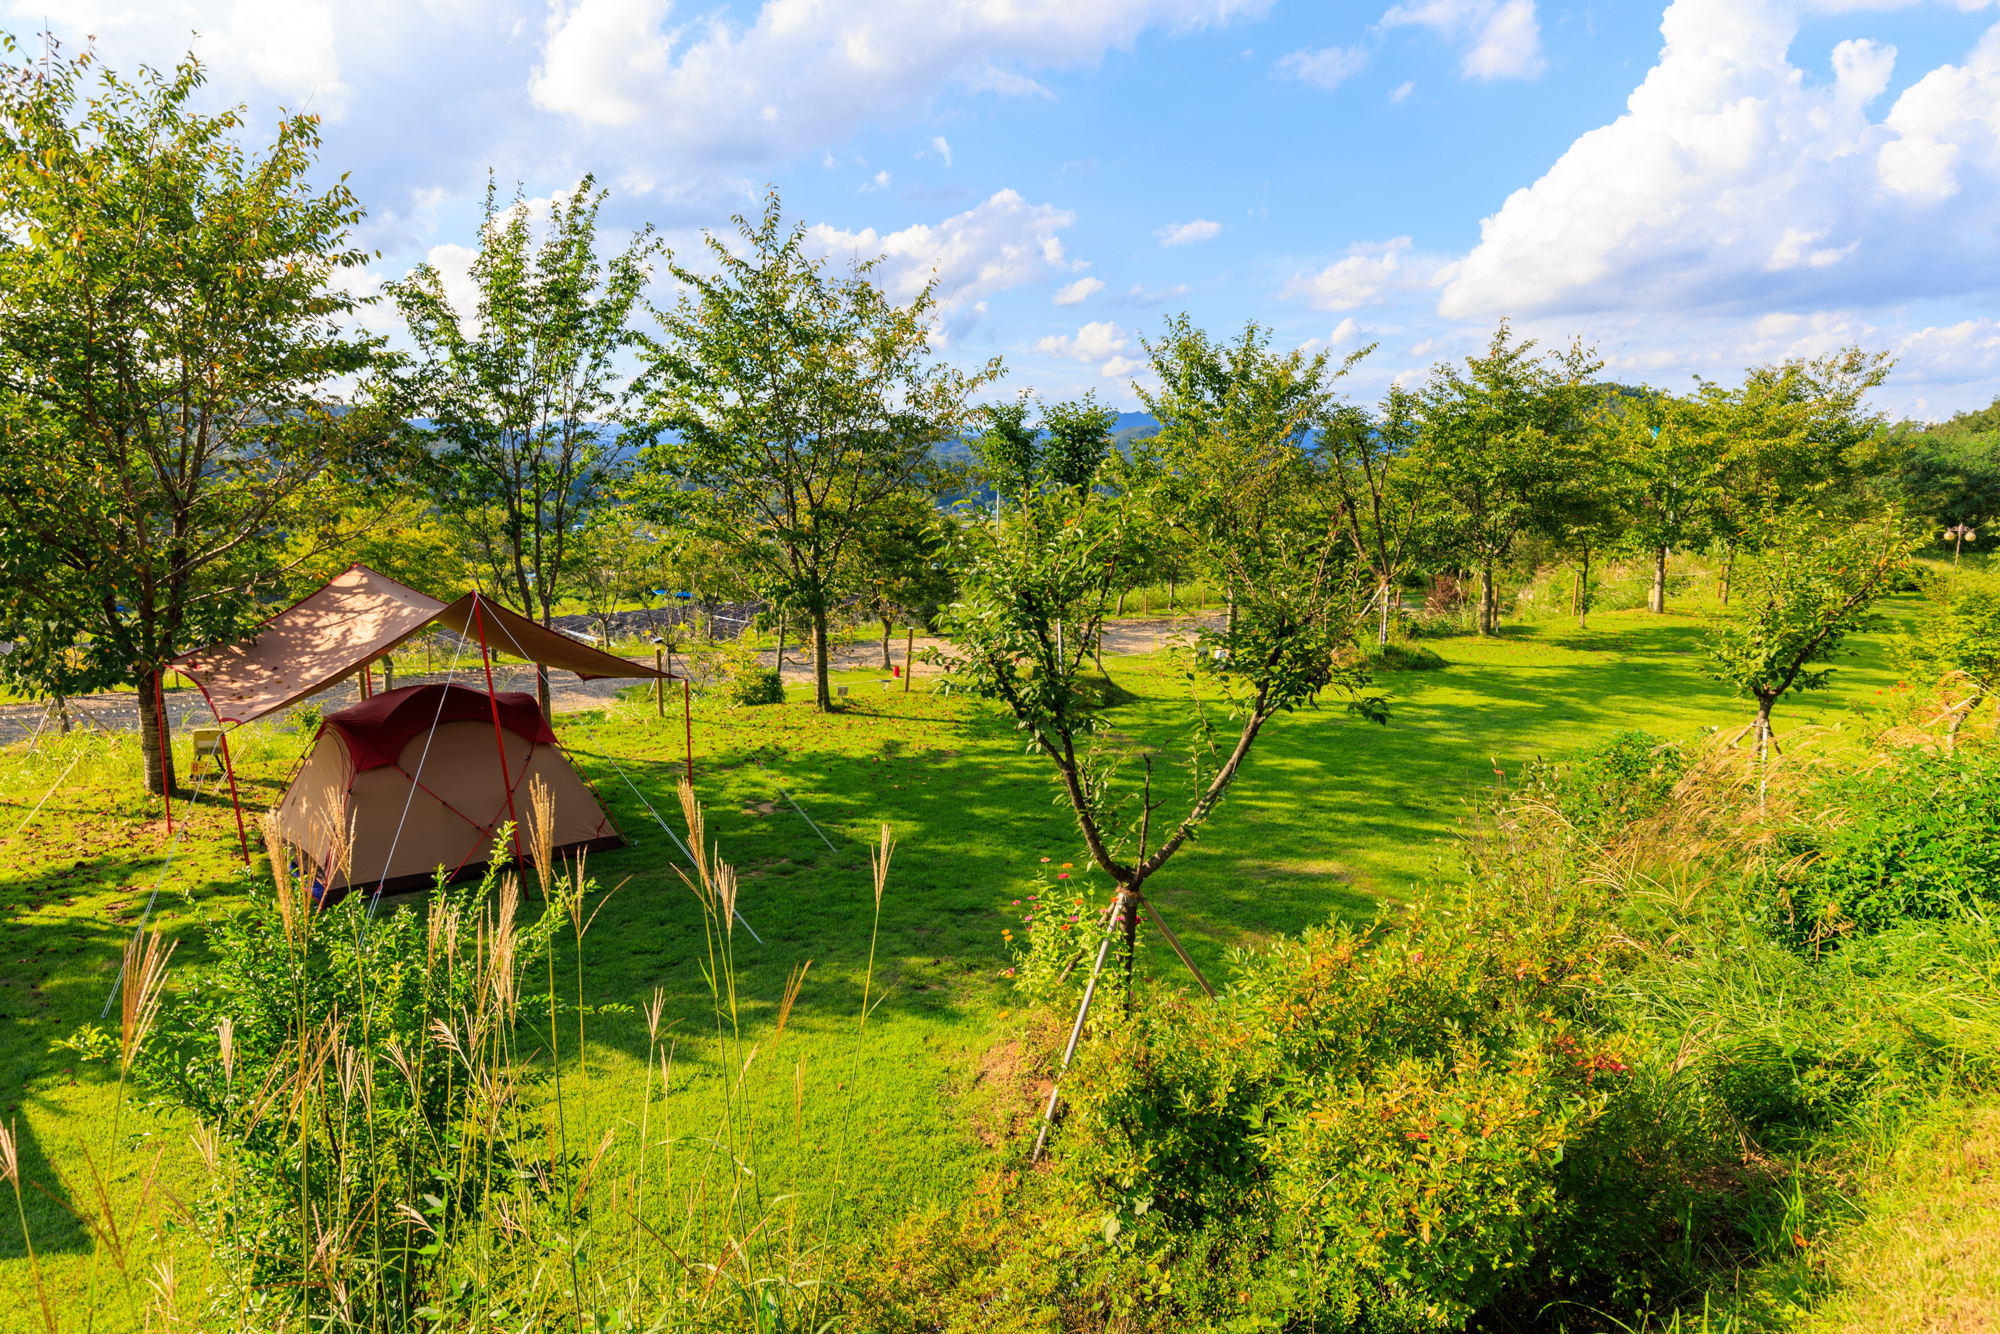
x: 1333, y: 816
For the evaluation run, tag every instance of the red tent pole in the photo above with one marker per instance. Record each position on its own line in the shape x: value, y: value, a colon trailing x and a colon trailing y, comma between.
x: 687, y: 717
x: 242, y: 839
x: 480, y: 621
x: 166, y: 756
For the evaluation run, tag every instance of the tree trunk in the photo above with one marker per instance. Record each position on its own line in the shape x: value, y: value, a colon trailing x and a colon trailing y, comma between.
x: 1121, y: 603
x: 388, y: 675
x: 1382, y: 629
x: 1131, y: 927
x: 159, y: 771
x: 1171, y: 583
x: 888, y: 663
x: 1488, y: 603
x: 822, y: 697
x: 1763, y: 749
x: 1728, y: 565
x: 542, y: 687
x: 779, y: 662
x: 1576, y: 593
x: 1656, y: 602
x: 1232, y: 607
x: 1583, y: 593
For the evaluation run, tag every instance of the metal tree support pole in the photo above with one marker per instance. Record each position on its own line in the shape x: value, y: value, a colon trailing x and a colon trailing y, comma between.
x: 909, y: 652
x: 1076, y: 1031
x: 479, y: 621
x: 660, y: 686
x: 687, y: 719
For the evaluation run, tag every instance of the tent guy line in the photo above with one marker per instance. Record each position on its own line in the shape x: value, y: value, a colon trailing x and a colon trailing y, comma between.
x: 154, y: 897
x: 692, y: 863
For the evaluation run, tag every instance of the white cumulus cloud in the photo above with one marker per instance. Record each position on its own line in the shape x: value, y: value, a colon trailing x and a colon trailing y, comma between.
x: 1073, y: 294
x: 1503, y: 38
x: 801, y: 73
x: 1736, y: 180
x: 1098, y: 341
x: 1187, y: 233
x: 1002, y: 243
x: 1325, y: 68
x: 1373, y: 271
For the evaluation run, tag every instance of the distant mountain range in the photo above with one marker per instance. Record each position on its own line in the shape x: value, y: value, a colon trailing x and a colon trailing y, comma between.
x: 1130, y: 426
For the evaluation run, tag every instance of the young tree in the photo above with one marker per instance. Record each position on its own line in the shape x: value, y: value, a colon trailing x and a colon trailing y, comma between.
x: 1385, y: 482
x: 788, y: 405
x: 901, y: 565
x: 522, y: 398
x: 1503, y: 434
x: 1234, y: 460
x: 1232, y: 465
x: 1815, y: 584
x: 1672, y: 458
x: 1958, y: 643
x: 171, y: 335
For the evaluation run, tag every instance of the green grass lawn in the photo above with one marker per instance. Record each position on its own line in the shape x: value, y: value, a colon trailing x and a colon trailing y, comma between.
x: 1332, y: 816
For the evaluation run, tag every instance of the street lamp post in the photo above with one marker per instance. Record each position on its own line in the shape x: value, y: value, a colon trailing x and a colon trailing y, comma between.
x: 1958, y: 533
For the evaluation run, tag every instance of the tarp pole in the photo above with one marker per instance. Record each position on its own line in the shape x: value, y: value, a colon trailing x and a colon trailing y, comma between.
x: 479, y: 620
x: 687, y: 718
x: 228, y: 767
x: 160, y: 707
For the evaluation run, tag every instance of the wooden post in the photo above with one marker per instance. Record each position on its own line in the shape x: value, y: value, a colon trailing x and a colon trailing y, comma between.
x: 687, y: 717
x: 660, y: 686
x: 909, y: 651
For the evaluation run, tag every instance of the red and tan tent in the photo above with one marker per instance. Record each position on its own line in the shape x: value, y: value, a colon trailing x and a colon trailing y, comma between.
x: 423, y: 776
x: 414, y: 778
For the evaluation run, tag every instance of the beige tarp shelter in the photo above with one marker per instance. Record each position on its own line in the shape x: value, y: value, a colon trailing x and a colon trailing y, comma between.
x: 358, y: 617
x: 423, y: 775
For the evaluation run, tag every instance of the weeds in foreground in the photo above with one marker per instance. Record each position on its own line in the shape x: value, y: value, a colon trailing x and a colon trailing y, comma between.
x: 395, y: 1136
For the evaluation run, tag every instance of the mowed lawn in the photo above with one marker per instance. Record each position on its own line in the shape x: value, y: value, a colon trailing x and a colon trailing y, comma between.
x: 1332, y: 816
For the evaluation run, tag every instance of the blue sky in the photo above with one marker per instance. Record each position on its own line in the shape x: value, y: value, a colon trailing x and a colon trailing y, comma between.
x: 1693, y: 188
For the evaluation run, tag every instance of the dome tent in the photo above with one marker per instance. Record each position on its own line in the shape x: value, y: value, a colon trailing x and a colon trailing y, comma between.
x: 414, y: 775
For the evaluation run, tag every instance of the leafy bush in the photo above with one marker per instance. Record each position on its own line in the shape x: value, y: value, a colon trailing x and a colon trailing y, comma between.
x: 757, y: 685
x: 1402, y: 656
x: 1060, y: 919
x: 1623, y: 779
x: 1385, y: 1129
x: 1913, y: 837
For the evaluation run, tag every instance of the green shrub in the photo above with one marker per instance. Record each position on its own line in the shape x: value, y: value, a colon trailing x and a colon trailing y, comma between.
x: 1402, y: 656
x: 1915, y: 836
x: 756, y: 685
x: 1623, y: 779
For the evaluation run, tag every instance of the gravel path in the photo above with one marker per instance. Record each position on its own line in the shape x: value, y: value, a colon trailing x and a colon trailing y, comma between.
x: 119, y: 711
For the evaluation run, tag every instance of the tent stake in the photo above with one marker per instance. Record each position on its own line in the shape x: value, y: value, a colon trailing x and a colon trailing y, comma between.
x: 479, y: 620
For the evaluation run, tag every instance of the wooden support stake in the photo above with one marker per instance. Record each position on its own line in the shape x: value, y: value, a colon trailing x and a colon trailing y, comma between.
x: 687, y: 717
x: 909, y: 652
x: 660, y: 686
